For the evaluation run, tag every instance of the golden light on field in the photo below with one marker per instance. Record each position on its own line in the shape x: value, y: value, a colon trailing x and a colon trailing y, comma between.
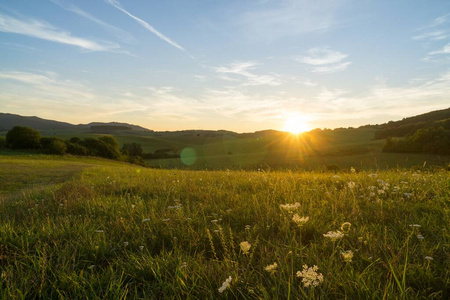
x: 296, y: 124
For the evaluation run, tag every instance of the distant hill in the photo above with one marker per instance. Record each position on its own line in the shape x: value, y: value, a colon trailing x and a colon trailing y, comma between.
x: 409, y: 126
x: 8, y: 121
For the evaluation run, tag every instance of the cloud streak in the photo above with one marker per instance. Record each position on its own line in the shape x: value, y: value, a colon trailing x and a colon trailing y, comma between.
x: 42, y: 30
x: 116, y: 4
x: 243, y: 69
x: 121, y: 34
x: 324, y: 60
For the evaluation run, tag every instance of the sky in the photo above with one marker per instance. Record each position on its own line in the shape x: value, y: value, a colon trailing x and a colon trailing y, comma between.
x: 236, y: 65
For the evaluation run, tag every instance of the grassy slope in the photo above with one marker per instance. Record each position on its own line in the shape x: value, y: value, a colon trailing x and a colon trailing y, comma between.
x: 82, y: 238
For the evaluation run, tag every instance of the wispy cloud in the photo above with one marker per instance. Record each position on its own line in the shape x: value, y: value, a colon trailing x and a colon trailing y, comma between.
x: 244, y: 70
x: 277, y: 19
x: 435, y: 31
x: 42, y: 30
x: 121, y: 34
x: 324, y: 60
x: 116, y: 4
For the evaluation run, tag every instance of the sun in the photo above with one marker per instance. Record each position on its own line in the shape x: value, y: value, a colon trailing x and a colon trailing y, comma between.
x: 296, y: 124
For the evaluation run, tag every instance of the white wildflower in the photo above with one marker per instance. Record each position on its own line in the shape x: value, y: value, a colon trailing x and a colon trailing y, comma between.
x: 271, y: 268
x: 347, y: 255
x: 225, y: 284
x: 141, y: 248
x: 290, y: 207
x: 420, y: 237
x: 334, y: 235
x: 125, y: 244
x: 429, y: 258
x: 414, y: 225
x: 146, y: 220
x: 310, y: 277
x: 300, y: 221
x: 245, y: 247
x: 351, y: 184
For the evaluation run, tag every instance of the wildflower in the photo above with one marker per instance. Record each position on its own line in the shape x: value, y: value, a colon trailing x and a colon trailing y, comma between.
x: 141, y: 248
x: 183, y: 265
x: 245, y: 247
x: 351, y: 184
x: 247, y: 227
x: 125, y: 244
x: 414, y: 225
x: 352, y: 170
x: 420, y: 237
x: 99, y: 231
x: 429, y: 258
x: 271, y: 268
x: 309, y: 275
x: 334, y: 235
x: 337, y: 177
x: 145, y: 220
x: 165, y: 220
x: 214, y: 221
x: 373, y: 175
x: 347, y: 255
x: 290, y: 207
x: 345, y: 227
x: 407, y: 195
x: 91, y: 267
x: 300, y: 221
x: 217, y: 231
x: 225, y: 284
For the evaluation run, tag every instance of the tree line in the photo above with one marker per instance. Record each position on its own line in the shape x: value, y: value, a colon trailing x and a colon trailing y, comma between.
x: 433, y: 140
x: 26, y: 138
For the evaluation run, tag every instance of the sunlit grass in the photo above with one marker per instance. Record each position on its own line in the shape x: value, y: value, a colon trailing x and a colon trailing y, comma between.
x: 119, y: 231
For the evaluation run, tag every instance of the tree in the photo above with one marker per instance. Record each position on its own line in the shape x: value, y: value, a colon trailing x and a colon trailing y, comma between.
x: 53, y: 145
x: 132, y: 149
x: 23, y: 138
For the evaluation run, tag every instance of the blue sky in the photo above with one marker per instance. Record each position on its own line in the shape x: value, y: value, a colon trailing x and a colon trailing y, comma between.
x: 235, y: 65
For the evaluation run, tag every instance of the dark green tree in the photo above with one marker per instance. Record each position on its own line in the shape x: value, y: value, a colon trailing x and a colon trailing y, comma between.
x: 23, y: 138
x: 53, y: 145
x: 132, y: 149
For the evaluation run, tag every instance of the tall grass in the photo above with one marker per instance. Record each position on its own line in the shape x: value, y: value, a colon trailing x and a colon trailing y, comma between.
x: 122, y: 232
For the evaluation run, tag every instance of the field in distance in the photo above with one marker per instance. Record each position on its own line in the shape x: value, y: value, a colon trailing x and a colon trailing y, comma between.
x: 92, y: 228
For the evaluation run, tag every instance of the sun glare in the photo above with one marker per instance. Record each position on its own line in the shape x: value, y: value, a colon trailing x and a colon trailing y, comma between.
x: 296, y: 124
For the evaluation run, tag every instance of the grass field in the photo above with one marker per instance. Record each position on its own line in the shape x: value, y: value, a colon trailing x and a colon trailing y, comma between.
x: 74, y: 228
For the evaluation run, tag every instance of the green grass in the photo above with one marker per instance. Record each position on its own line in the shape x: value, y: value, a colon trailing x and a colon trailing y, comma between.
x: 84, y: 228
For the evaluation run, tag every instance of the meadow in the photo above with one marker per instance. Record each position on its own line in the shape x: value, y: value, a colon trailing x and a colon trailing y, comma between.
x: 85, y: 228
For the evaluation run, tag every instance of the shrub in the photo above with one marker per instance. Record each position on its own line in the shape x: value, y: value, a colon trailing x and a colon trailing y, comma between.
x: 23, y: 138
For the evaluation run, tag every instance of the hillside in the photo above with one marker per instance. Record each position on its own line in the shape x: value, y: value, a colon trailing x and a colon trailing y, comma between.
x: 412, y: 124
x: 8, y: 121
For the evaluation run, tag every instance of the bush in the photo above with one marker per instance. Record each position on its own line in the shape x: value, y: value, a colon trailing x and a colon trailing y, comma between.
x: 76, y: 149
x: 23, y: 138
x: 2, y: 143
x: 53, y: 145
